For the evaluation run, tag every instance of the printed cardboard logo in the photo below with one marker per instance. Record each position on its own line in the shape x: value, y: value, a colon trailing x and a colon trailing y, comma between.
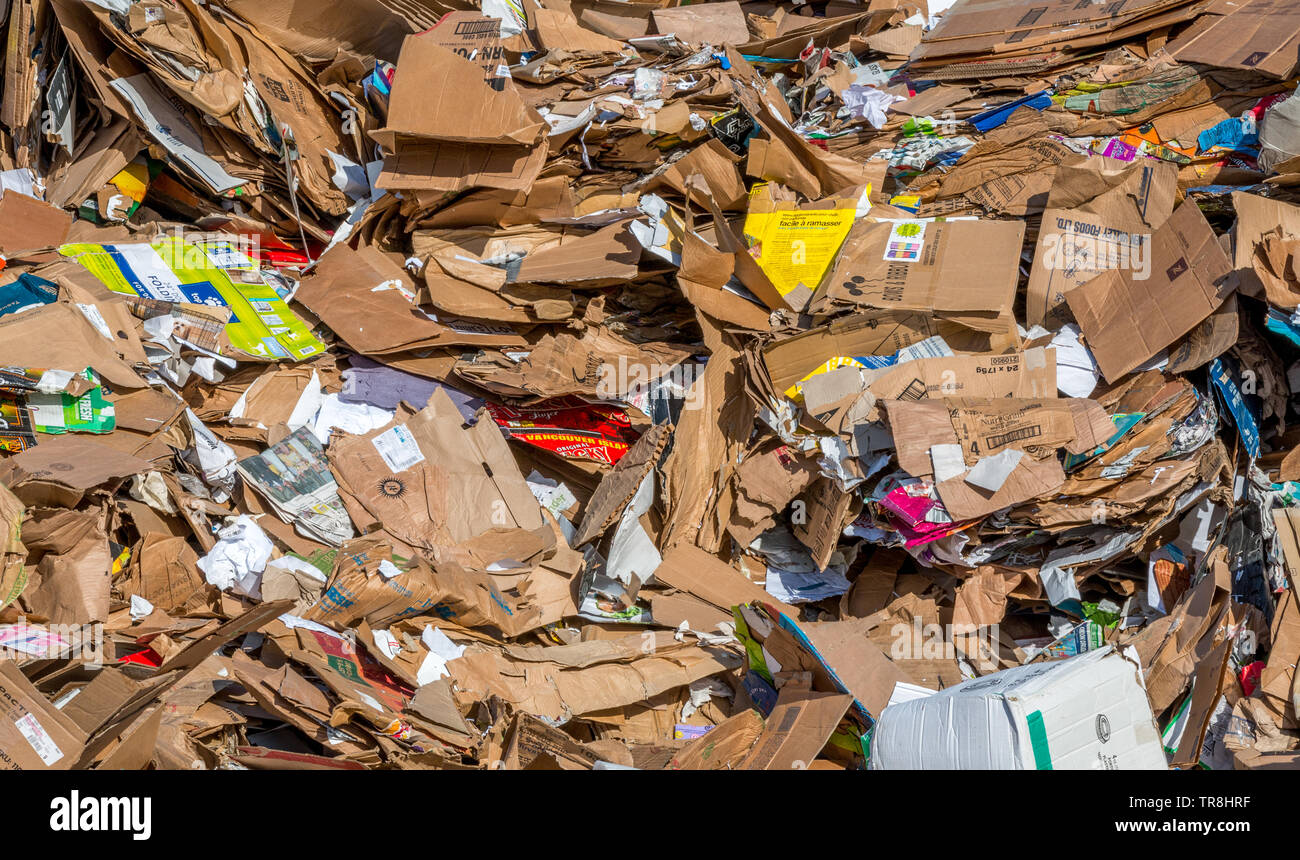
x: 1255, y: 59
x: 393, y: 488
x: 1103, y: 728
x: 1174, y: 271
x: 853, y: 286
x: 1031, y: 17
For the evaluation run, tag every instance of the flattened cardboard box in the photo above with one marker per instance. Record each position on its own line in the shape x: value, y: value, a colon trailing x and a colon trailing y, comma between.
x: 446, y: 166
x: 362, y: 297
x: 869, y: 333
x: 829, y: 510
x: 319, y: 31
x: 1008, y: 423
x: 690, y: 569
x: 797, y: 729
x: 989, y: 426
x: 64, y: 469
x: 477, y: 38
x: 429, y: 481
x: 58, y: 336
x: 986, y: 17
x: 860, y: 667
x: 724, y: 746
x: 1110, y: 231
x: 440, y: 94
x: 421, y: 164
x: 1030, y: 479
x: 532, y: 738
x: 945, y: 266
x: 704, y: 23
x: 558, y: 30
x: 1260, y: 35
x: 1031, y: 373
x: 1021, y: 26
x: 27, y: 224
x: 34, y: 735
x: 1257, y: 216
x: 1127, y: 320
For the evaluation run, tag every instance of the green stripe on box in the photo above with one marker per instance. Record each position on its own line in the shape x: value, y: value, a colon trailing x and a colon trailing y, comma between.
x: 1038, y: 740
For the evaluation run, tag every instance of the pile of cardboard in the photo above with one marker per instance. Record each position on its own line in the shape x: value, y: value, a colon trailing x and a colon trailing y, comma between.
x: 586, y: 384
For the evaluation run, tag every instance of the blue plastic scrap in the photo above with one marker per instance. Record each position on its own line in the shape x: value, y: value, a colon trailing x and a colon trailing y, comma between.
x: 1280, y: 323
x: 1233, y: 133
x: 994, y: 117
x: 1225, y: 383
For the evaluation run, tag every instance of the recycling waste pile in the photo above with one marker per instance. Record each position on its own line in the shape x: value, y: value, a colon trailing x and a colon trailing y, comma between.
x: 588, y: 384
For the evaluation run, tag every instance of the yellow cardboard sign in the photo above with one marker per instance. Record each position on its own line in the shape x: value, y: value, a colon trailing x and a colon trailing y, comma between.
x: 796, y: 247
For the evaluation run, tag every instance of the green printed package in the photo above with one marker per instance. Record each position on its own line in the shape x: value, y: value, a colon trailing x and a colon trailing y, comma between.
x: 174, y: 270
x: 1083, y: 637
x: 65, y: 413
x: 43, y: 403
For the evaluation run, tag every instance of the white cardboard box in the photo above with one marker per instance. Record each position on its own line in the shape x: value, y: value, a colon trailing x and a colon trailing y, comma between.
x: 1088, y: 712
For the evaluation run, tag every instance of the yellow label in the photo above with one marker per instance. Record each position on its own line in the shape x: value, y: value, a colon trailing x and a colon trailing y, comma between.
x: 795, y: 392
x: 132, y: 181
x: 795, y: 248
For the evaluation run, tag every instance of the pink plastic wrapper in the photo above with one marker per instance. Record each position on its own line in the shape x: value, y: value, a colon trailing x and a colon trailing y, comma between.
x: 906, y: 508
